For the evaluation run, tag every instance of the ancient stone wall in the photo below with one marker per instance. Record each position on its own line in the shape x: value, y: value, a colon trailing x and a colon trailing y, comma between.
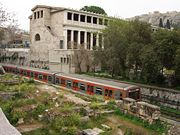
x: 162, y: 96
x: 142, y: 110
x: 16, y: 56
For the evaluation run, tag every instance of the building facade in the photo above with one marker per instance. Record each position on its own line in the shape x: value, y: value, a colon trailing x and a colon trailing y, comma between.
x: 56, y: 33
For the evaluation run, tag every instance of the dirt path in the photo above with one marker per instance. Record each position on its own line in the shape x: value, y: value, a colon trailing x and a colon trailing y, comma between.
x: 28, y: 128
x: 76, y: 100
x: 47, y: 88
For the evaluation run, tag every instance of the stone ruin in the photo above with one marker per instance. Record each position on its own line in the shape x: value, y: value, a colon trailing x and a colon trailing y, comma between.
x: 2, y: 71
x: 142, y: 110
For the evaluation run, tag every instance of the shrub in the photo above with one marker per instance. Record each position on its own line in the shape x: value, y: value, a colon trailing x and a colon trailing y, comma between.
x: 67, y: 107
x: 70, y: 121
x: 23, y: 102
x: 2, y: 87
x: 69, y: 131
x: 111, y: 104
x: 39, y: 110
x: 16, y: 115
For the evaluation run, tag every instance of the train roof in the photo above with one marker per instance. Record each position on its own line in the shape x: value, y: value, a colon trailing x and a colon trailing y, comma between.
x: 86, y: 78
x: 30, y: 68
x: 107, y: 82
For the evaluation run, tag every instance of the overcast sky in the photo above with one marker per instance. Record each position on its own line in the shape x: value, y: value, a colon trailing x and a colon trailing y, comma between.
x: 118, y: 8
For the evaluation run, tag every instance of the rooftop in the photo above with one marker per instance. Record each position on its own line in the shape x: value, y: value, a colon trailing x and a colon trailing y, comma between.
x: 56, y: 9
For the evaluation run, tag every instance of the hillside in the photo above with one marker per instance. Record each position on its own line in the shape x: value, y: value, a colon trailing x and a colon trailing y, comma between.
x: 154, y: 18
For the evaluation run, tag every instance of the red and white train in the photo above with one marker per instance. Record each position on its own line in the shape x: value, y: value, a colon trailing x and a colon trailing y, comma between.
x: 81, y: 83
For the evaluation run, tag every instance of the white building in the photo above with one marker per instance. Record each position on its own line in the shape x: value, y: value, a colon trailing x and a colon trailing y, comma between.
x: 56, y: 33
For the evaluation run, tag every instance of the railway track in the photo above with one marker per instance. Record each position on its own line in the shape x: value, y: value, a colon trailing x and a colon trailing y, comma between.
x: 169, y: 120
x: 167, y: 116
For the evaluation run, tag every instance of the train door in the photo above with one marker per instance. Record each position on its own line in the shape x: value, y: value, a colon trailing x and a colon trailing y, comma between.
x: 57, y: 80
x: 50, y: 78
x: 63, y: 82
x: 45, y: 77
x: 90, y: 89
x: 109, y: 93
x: 36, y: 75
x: 28, y: 73
x: 75, y: 85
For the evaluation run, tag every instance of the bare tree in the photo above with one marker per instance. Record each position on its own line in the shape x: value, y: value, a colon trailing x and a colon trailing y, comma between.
x: 8, y: 25
x: 83, y: 58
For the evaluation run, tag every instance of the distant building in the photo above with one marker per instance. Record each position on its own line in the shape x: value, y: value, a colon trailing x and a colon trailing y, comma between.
x: 21, y: 40
x: 56, y: 33
x: 14, y: 40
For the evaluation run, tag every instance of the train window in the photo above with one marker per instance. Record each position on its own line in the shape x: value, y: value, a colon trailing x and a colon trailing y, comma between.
x: 75, y: 84
x: 68, y: 83
x: 63, y: 81
x: 82, y: 87
x: 31, y: 74
x: 90, y: 89
x: 40, y: 77
x: 57, y: 80
x: 50, y: 78
x: 98, y: 91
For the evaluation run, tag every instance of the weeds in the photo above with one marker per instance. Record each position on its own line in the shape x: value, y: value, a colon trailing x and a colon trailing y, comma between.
x: 157, y: 126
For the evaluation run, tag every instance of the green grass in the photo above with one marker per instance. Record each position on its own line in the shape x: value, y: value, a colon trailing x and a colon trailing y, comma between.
x: 42, y: 131
x: 157, y: 126
x: 93, y: 122
x: 170, y: 112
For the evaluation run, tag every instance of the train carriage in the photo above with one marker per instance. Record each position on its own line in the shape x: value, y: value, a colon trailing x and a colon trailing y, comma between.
x: 82, y: 83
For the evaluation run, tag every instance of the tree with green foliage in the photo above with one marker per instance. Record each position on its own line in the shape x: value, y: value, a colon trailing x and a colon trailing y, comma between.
x: 165, y: 43
x: 177, y: 66
x: 94, y: 9
x: 168, y: 25
x: 115, y: 47
x: 161, y: 23
x: 150, y: 65
x: 139, y: 35
x: 132, y: 49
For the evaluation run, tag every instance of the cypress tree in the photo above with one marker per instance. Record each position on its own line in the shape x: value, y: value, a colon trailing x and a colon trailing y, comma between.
x: 168, y: 25
x: 161, y: 23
